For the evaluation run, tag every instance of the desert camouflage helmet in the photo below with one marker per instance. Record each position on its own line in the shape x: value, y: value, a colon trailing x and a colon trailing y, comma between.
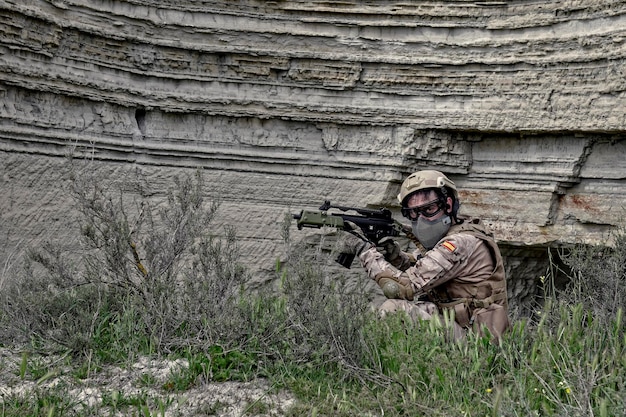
x: 423, y: 180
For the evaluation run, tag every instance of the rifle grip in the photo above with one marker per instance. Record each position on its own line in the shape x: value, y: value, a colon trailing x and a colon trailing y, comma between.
x: 345, y: 259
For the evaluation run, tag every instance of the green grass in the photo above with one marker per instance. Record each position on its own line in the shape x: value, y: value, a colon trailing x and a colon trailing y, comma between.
x: 567, y: 365
x: 575, y: 369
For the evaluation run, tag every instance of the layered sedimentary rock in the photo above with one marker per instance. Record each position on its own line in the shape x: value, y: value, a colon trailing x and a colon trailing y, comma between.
x: 286, y: 104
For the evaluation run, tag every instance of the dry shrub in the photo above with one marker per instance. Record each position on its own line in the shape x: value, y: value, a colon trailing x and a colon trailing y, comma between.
x: 156, y: 269
x: 598, y: 277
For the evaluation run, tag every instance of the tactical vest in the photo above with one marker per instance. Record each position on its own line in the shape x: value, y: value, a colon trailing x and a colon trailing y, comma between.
x: 496, y: 280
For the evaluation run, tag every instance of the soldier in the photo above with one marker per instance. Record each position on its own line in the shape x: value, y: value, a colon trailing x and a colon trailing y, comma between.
x: 461, y: 269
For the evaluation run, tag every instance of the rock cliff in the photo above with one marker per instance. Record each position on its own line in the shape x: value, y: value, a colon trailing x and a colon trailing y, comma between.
x: 284, y: 104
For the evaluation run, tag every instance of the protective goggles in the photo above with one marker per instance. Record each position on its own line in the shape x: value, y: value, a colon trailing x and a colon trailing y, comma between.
x: 427, y: 210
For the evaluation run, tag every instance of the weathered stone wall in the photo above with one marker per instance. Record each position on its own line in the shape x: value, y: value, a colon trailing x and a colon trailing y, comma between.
x: 285, y: 104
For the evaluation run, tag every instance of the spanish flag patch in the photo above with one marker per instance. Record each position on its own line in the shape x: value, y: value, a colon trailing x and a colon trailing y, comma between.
x: 449, y: 245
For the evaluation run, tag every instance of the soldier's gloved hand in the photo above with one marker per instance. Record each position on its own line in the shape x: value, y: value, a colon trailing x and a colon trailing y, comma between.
x: 389, y: 248
x: 394, y: 255
x: 354, y: 241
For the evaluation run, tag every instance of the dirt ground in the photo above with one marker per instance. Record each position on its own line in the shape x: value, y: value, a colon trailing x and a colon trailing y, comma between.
x: 145, y: 378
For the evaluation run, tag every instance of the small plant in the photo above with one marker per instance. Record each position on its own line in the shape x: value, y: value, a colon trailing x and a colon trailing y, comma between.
x: 42, y: 402
x: 214, y: 365
x: 147, y: 380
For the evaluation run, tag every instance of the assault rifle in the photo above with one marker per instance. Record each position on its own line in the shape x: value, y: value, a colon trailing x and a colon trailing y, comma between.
x: 375, y: 224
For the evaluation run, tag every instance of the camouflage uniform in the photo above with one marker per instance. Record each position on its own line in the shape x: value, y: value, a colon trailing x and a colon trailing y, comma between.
x: 463, y: 273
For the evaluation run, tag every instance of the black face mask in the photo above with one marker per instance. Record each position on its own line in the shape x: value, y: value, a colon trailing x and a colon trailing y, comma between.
x: 429, y: 232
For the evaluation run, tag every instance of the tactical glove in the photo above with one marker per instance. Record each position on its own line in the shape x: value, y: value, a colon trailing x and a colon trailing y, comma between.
x: 389, y: 248
x: 393, y: 254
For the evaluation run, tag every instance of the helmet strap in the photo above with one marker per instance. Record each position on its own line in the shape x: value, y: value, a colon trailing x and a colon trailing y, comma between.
x: 453, y: 211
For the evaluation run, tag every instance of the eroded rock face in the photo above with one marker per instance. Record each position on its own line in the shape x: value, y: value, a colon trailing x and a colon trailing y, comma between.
x: 286, y: 104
